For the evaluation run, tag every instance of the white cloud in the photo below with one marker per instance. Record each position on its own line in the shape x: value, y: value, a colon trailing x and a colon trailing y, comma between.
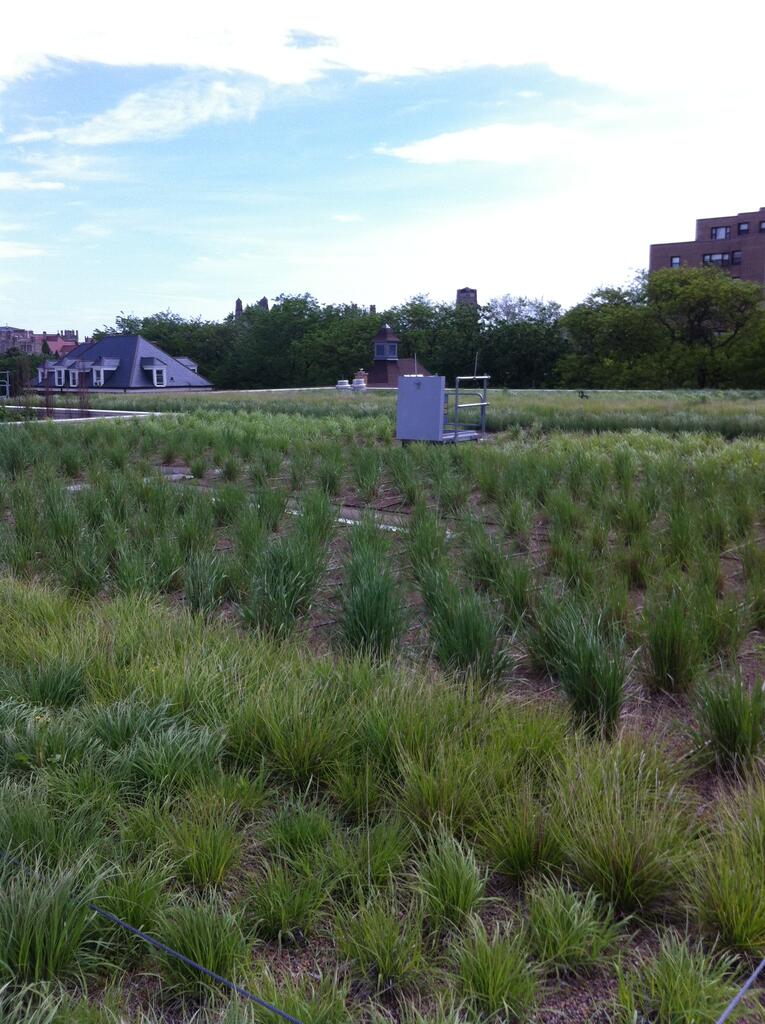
x: 655, y: 48
x: 14, y: 181
x: 71, y: 166
x: 493, y: 143
x: 159, y: 113
x: 346, y: 218
x: 15, y: 250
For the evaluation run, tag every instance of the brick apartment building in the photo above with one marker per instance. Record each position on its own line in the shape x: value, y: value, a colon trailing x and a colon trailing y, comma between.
x: 734, y: 243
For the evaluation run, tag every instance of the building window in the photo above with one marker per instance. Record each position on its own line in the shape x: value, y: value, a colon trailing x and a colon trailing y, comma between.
x: 392, y: 350
x: 58, y: 378
x: 380, y: 350
x: 743, y: 227
x: 735, y: 257
x: 716, y: 259
x: 674, y: 261
x: 762, y: 225
x: 720, y: 234
x: 74, y: 378
x: 98, y: 377
x: 159, y: 378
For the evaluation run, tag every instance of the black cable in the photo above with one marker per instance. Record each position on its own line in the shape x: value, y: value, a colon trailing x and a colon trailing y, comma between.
x: 243, y: 992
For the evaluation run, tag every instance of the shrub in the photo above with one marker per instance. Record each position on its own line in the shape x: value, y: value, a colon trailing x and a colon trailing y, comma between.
x: 680, y: 984
x: 495, y: 977
x: 731, y: 729
x: 450, y: 881
x: 569, y: 931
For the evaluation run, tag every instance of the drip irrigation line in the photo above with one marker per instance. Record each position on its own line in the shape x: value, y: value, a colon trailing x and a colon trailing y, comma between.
x: 176, y: 955
x: 741, y: 992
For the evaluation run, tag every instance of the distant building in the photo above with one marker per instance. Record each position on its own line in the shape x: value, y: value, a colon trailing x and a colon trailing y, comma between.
x: 119, y: 362
x: 467, y: 297
x: 386, y: 365
x: 735, y: 243
x: 32, y: 344
x: 17, y: 338
x: 60, y: 343
x: 239, y: 309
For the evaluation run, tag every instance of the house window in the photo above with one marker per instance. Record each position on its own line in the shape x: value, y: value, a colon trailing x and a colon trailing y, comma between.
x: 74, y: 378
x: 380, y: 350
x: 58, y: 378
x: 743, y: 227
x: 720, y: 234
x: 674, y: 261
x: 98, y: 377
x: 735, y: 257
x: 762, y: 225
x: 159, y: 378
x: 392, y: 350
x: 716, y: 259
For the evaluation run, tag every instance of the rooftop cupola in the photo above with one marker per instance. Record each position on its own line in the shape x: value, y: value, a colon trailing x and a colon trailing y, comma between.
x: 385, y: 345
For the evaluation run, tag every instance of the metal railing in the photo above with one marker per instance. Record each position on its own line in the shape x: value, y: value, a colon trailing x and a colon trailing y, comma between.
x: 455, y: 427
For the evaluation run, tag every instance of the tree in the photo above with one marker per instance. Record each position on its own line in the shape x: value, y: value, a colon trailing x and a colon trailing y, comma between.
x: 707, y: 311
x: 523, y: 342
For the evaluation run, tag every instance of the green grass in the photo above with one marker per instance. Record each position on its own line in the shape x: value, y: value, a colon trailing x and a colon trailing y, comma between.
x: 570, y: 932
x: 680, y: 984
x: 495, y: 977
x: 731, y: 723
x: 342, y: 801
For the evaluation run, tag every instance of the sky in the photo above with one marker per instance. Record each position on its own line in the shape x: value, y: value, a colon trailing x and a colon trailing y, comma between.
x: 178, y: 156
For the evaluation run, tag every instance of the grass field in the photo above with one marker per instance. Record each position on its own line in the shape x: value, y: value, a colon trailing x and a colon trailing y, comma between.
x: 419, y: 734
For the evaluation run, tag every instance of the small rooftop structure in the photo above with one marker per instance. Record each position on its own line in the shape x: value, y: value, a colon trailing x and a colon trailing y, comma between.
x: 427, y: 410
x: 386, y: 365
x: 119, y: 362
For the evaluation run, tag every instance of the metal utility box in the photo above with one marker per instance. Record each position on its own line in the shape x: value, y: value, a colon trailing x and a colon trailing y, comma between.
x: 420, y: 408
x: 427, y: 411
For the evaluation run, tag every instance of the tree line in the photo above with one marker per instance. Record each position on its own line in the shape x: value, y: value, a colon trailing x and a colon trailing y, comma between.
x: 686, y: 327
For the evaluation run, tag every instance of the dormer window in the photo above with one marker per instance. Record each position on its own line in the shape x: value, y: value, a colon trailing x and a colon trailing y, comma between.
x: 380, y: 350
x: 159, y: 377
x: 98, y: 377
x: 58, y: 378
x: 74, y: 378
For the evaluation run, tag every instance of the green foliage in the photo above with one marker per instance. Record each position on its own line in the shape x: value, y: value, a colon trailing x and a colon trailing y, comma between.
x: 450, y: 881
x: 45, y: 923
x: 731, y: 723
x: 569, y: 931
x: 623, y: 827
x: 202, y: 929
x: 495, y: 977
x: 679, y: 984
x: 285, y: 904
x: 383, y: 940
